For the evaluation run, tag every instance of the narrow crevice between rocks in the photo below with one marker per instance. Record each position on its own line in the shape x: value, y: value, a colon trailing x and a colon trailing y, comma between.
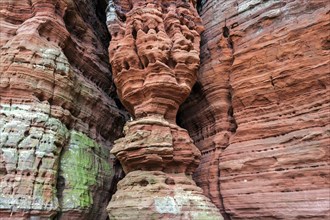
x: 199, y: 5
x: 231, y: 116
x: 101, y: 6
x: 101, y: 10
x: 79, y: 19
x: 98, y: 24
x: 118, y: 175
x: 230, y: 113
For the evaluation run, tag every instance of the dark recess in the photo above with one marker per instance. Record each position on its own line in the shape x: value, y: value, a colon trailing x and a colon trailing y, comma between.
x: 196, y: 94
x: 101, y: 6
x: 199, y: 5
x: 225, y: 32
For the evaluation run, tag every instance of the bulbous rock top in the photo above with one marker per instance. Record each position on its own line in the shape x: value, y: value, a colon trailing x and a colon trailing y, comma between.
x: 154, y: 53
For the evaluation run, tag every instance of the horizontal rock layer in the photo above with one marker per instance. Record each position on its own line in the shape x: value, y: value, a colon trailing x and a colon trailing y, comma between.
x: 154, y: 53
x: 54, y: 74
x: 157, y: 195
x: 260, y: 110
x: 152, y: 143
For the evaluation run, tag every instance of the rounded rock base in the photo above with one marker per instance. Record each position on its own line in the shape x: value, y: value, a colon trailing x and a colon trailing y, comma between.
x: 158, y: 195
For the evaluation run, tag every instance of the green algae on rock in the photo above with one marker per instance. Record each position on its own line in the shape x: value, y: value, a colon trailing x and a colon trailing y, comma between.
x: 84, y: 164
x: 37, y: 151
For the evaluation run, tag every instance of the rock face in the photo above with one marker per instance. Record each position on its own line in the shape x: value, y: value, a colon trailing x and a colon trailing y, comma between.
x: 54, y: 74
x: 154, y: 53
x: 259, y: 111
x: 257, y: 114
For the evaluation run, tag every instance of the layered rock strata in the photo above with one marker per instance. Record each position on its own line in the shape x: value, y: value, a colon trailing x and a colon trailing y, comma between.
x: 259, y: 112
x: 154, y: 53
x: 54, y: 146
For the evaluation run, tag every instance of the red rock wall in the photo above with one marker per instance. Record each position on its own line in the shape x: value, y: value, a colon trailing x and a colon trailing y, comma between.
x: 260, y: 110
x: 57, y: 117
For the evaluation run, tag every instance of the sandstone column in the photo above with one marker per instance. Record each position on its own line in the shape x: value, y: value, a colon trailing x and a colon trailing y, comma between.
x: 154, y: 53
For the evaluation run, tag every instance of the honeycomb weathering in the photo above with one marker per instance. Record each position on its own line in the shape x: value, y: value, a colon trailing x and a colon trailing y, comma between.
x: 154, y: 53
x: 250, y: 138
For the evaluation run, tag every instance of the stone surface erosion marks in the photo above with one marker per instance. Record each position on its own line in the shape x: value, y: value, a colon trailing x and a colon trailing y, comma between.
x: 154, y: 53
x: 54, y: 146
x: 259, y: 112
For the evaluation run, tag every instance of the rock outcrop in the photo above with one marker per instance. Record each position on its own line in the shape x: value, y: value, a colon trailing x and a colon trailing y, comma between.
x: 259, y: 111
x: 57, y: 117
x: 154, y: 53
x: 251, y: 140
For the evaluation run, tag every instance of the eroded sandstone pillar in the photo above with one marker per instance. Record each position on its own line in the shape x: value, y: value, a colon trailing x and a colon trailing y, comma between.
x: 154, y: 53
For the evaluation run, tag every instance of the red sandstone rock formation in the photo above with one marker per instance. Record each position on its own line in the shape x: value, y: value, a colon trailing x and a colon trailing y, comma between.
x: 54, y: 74
x: 259, y: 112
x: 154, y: 53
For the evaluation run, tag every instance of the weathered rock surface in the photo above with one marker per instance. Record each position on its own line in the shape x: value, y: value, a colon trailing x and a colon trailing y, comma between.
x: 154, y: 53
x: 54, y: 146
x: 159, y: 195
x: 259, y: 112
x: 152, y: 143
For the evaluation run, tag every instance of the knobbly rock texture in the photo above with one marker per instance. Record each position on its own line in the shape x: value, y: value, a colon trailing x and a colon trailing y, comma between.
x: 176, y: 195
x: 259, y: 111
x: 152, y: 143
x: 57, y: 117
x: 160, y: 43
x: 154, y: 53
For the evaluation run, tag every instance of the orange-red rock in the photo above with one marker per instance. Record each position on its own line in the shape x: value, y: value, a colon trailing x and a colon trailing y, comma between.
x: 54, y: 146
x: 152, y: 143
x: 260, y: 110
x: 159, y: 195
x: 154, y: 53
